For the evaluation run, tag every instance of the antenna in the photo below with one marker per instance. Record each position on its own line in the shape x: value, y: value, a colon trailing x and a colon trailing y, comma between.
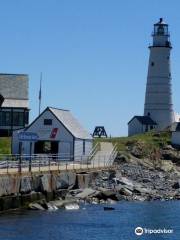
x: 40, y: 95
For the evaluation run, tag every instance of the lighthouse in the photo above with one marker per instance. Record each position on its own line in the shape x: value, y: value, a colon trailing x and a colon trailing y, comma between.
x: 158, y: 107
x: 158, y: 99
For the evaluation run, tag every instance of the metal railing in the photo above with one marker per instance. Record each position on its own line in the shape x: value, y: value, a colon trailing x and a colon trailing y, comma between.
x: 49, y: 162
x: 113, y: 155
x: 95, y: 149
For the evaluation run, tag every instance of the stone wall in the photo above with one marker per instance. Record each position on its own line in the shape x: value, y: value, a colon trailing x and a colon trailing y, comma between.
x: 19, y: 190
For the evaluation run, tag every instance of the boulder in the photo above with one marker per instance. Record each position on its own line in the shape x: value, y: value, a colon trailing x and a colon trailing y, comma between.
x: 46, y: 183
x: 83, y: 180
x: 26, y: 184
x: 139, y: 198
x: 65, y: 180
x: 51, y: 207
x: 171, y: 155
x: 36, y: 183
x: 62, y: 203
x: 35, y: 206
x: 87, y: 192
x: 71, y: 206
x: 139, y: 189
x: 61, y: 193
x: 105, y: 193
x: 137, y: 151
x: 9, y: 185
x: 126, y: 181
x: 125, y: 191
x: 176, y: 185
x: 121, y: 158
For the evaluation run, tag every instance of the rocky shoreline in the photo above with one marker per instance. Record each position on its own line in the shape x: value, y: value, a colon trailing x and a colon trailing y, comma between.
x: 130, y: 179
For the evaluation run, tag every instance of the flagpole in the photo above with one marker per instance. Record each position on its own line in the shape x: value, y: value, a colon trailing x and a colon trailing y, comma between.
x: 40, y: 93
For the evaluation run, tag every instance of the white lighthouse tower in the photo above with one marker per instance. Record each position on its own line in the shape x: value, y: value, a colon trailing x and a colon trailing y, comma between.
x: 158, y: 100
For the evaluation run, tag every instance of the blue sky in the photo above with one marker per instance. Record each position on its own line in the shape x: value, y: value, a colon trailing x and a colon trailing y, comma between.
x: 93, y: 54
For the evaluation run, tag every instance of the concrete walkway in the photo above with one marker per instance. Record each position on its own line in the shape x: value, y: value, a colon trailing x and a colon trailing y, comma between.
x: 104, y: 154
x: 74, y: 166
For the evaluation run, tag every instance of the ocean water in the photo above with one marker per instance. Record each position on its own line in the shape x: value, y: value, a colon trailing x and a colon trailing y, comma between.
x: 91, y: 222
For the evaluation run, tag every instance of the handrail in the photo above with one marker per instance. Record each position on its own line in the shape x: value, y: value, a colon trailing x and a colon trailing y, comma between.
x: 95, y: 149
x: 38, y: 163
x: 113, y: 155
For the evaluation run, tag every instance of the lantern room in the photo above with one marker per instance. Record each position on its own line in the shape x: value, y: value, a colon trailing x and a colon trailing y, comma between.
x: 161, y: 28
x: 161, y: 35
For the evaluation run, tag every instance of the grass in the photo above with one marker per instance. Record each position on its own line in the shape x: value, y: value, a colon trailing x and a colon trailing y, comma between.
x: 5, y: 145
x: 149, y: 141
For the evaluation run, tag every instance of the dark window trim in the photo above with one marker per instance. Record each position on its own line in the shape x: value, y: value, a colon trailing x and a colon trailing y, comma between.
x: 48, y: 122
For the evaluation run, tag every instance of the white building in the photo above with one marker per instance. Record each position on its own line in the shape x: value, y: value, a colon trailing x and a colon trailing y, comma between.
x: 177, y: 117
x: 57, y: 132
x: 140, y: 124
x: 158, y: 99
x: 175, y: 137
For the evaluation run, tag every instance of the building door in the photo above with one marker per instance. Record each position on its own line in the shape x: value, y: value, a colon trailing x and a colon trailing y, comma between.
x: 54, y: 147
x: 39, y: 147
x: 46, y: 147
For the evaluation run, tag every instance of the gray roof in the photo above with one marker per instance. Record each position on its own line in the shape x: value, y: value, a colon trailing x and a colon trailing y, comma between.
x: 14, y: 103
x: 14, y: 86
x: 145, y: 120
x: 71, y: 123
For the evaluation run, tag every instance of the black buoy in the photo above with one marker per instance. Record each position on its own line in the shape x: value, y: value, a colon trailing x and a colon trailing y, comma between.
x: 108, y: 208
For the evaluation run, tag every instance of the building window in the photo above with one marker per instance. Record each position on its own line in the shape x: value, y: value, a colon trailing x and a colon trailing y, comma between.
x: 84, y: 147
x: 5, y: 118
x: 18, y: 119
x: 151, y: 127
x: 47, y: 121
x: 152, y: 64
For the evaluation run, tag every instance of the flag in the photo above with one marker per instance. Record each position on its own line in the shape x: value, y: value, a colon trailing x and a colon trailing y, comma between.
x: 53, y: 133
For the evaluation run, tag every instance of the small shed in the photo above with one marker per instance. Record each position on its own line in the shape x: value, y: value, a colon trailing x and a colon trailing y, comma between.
x: 57, y: 132
x: 140, y: 124
x: 175, y: 138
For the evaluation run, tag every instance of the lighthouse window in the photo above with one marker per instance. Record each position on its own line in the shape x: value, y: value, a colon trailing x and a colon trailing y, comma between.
x: 152, y: 64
